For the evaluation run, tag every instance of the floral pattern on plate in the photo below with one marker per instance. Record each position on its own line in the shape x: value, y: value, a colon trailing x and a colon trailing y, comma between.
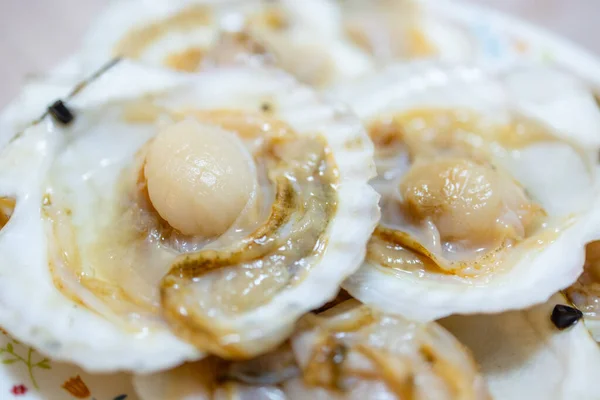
x: 27, y: 375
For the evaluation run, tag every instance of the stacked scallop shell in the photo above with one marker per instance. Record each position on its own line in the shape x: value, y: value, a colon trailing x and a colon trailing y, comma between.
x: 292, y: 199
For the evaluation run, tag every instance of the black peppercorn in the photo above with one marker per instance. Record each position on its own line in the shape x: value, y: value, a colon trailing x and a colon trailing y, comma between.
x: 565, y: 316
x: 60, y: 112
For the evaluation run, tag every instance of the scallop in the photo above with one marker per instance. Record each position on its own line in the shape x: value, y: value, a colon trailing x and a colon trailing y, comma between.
x: 523, y: 355
x: 190, y: 35
x: 392, y: 30
x: 346, y: 352
x: 488, y: 191
x: 158, y: 216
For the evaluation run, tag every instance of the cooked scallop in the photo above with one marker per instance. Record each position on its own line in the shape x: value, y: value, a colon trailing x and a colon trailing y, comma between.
x: 346, y: 352
x: 487, y: 191
x: 393, y: 30
x: 524, y: 355
x: 158, y: 216
x: 321, y: 42
x: 190, y: 35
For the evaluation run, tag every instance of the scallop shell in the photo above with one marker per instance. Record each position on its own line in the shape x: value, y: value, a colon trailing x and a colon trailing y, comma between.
x: 141, y: 21
x: 100, y: 140
x: 36, y: 95
x: 188, y: 35
x: 523, y: 355
x: 565, y: 189
x: 401, y: 359
x: 392, y: 30
x: 310, y: 39
x: 585, y: 293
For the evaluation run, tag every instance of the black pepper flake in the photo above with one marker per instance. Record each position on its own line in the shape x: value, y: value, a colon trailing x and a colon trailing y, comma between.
x: 60, y: 112
x: 565, y: 316
x: 265, y: 107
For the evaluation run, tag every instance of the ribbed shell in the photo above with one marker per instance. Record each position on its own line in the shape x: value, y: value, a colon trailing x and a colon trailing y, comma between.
x: 568, y: 110
x: 35, y: 312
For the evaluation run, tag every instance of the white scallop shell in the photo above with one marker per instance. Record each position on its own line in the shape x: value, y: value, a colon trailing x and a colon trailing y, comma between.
x: 593, y: 326
x: 36, y: 95
x: 66, y: 331
x: 318, y: 33
x: 316, y: 25
x: 393, y: 336
x: 524, y: 356
x: 568, y: 187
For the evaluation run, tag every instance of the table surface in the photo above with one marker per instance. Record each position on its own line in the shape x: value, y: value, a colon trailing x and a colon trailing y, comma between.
x: 36, y: 34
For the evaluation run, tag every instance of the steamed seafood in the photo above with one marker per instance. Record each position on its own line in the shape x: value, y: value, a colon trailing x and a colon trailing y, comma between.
x: 321, y: 42
x: 190, y: 35
x: 167, y: 215
x: 487, y: 191
x: 347, y: 352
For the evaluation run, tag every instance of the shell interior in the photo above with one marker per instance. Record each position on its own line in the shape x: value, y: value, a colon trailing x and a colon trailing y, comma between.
x: 473, y: 210
x: 111, y: 266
